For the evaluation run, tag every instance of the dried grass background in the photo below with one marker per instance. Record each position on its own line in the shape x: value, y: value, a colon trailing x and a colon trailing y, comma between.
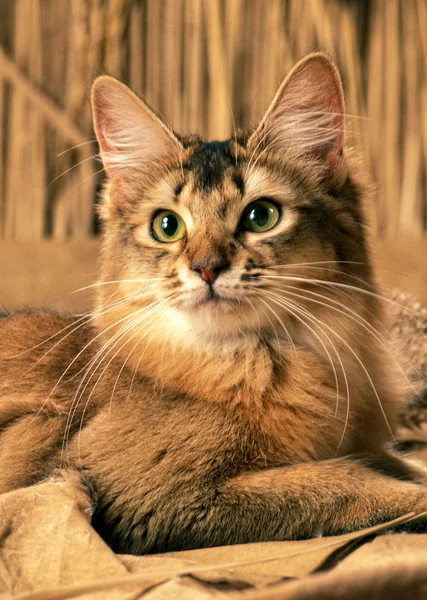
x: 203, y: 64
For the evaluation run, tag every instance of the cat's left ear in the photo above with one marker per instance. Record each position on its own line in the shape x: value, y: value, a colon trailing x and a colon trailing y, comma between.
x: 306, y: 117
x: 130, y: 135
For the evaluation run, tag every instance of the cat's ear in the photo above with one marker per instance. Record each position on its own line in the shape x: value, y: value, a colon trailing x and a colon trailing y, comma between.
x: 129, y: 134
x: 306, y: 116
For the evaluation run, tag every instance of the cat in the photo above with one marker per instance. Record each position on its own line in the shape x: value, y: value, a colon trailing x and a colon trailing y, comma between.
x: 233, y: 383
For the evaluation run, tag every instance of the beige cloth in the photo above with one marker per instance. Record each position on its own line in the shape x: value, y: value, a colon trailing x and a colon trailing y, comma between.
x: 49, y: 551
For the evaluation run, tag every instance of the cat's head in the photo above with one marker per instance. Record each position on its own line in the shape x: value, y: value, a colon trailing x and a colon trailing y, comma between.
x: 221, y: 237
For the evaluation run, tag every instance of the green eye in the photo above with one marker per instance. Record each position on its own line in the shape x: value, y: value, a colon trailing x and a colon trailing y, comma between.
x: 260, y: 216
x: 167, y: 226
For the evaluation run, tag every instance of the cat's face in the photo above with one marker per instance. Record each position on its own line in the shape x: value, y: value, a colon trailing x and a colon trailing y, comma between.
x: 204, y: 233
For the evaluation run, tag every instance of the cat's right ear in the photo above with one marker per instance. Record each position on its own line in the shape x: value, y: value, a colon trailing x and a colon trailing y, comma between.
x: 130, y: 136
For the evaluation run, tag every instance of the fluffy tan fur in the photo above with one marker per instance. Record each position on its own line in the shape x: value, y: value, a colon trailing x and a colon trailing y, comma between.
x: 254, y: 407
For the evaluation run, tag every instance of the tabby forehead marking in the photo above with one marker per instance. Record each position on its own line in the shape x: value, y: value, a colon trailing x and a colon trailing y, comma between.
x: 178, y: 190
x: 208, y: 163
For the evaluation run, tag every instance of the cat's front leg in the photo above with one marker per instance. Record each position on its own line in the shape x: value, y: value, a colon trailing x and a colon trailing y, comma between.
x: 321, y: 498
x: 295, y: 502
x: 75, y: 486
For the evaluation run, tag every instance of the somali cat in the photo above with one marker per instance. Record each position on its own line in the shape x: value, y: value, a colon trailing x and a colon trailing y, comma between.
x: 233, y: 383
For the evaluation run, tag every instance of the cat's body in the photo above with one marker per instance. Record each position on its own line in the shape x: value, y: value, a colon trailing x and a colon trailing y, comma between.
x: 160, y: 465
x: 234, y: 383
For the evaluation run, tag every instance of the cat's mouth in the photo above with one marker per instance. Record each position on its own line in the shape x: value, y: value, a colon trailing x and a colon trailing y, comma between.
x: 208, y: 298
x: 216, y: 301
x: 213, y: 298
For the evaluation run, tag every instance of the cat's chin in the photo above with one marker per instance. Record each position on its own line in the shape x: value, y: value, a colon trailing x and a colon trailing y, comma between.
x: 219, y: 318
x: 210, y: 303
x: 217, y: 304
x: 208, y: 317
x: 219, y: 313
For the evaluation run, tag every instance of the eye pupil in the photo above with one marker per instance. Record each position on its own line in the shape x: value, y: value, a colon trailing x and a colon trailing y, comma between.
x: 169, y: 224
x: 260, y: 215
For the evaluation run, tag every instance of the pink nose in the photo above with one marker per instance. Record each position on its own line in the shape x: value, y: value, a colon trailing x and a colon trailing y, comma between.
x: 209, y: 270
x: 208, y: 274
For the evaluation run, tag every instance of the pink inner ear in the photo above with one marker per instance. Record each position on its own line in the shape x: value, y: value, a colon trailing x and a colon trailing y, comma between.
x: 101, y: 123
x: 326, y: 79
x: 307, y: 114
x: 130, y: 135
x: 110, y: 103
x: 315, y: 91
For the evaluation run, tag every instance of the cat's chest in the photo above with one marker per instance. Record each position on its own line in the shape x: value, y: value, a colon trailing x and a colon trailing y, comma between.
x: 151, y: 443
x: 285, y: 401
x: 164, y: 434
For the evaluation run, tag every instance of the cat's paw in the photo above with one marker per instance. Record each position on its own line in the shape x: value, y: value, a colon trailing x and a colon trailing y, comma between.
x: 418, y: 525
x: 71, y: 482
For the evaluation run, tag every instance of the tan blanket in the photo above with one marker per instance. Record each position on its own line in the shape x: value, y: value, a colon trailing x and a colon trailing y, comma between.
x: 49, y: 551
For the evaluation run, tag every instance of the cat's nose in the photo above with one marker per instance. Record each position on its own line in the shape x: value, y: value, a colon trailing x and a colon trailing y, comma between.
x: 210, y: 271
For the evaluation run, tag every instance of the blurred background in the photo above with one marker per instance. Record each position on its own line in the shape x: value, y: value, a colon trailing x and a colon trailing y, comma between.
x: 205, y: 65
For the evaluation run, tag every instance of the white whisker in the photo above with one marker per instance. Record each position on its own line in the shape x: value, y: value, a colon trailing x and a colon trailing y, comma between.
x: 134, y: 318
x: 76, y: 146
x: 355, y: 317
x: 345, y: 286
x: 101, y: 283
x: 337, y: 335
x: 106, y: 351
x: 85, y: 160
x: 285, y: 329
x: 103, y: 309
x: 277, y: 300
